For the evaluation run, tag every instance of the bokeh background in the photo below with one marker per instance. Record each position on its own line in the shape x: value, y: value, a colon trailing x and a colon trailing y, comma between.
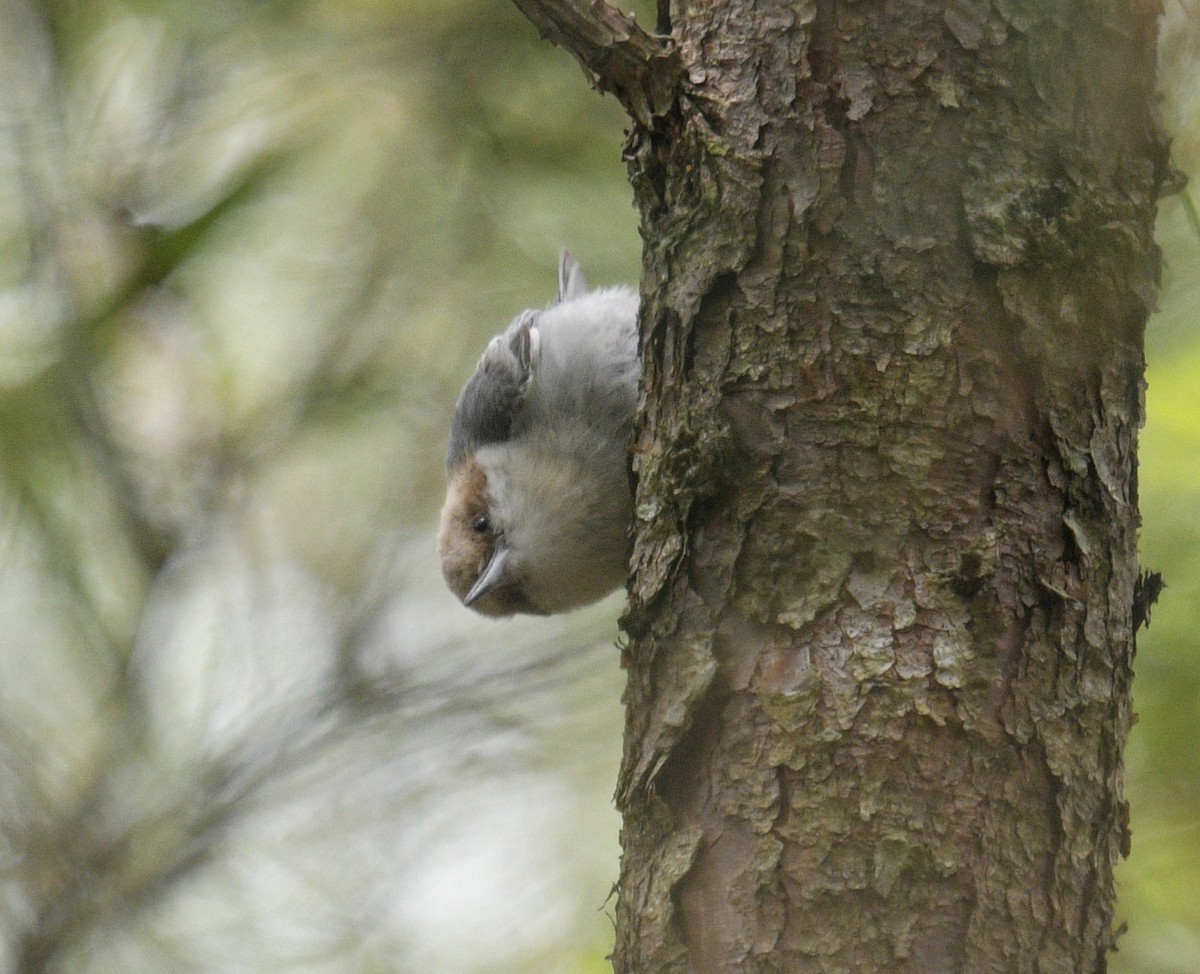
x: 249, y: 250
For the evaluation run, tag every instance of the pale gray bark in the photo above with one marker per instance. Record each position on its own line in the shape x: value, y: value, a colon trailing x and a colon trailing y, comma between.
x: 898, y: 262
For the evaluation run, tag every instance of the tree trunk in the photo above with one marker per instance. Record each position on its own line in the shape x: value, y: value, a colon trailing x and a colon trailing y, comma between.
x: 898, y: 262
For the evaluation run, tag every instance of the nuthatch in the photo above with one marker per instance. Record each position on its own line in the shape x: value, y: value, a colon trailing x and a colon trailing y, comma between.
x: 538, y: 507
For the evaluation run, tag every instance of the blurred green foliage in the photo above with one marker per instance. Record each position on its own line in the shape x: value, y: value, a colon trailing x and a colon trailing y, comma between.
x: 248, y: 251
x: 1158, y: 883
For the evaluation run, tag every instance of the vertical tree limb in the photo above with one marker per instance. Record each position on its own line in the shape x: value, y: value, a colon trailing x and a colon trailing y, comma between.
x: 898, y: 263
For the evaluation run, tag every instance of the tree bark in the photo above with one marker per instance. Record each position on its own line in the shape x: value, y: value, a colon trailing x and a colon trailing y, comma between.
x: 898, y: 262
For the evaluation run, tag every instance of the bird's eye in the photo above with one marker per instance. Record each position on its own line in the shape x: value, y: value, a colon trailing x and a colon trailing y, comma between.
x: 481, y: 524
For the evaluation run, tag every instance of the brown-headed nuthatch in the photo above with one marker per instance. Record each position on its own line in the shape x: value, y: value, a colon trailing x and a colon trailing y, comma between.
x: 538, y: 507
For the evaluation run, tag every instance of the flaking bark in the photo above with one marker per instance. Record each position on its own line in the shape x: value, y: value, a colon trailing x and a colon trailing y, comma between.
x: 898, y: 263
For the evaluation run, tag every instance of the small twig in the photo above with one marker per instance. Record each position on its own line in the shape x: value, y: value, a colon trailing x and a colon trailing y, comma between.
x: 641, y: 70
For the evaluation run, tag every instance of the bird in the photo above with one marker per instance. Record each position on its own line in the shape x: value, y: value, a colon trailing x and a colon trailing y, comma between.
x: 538, y: 510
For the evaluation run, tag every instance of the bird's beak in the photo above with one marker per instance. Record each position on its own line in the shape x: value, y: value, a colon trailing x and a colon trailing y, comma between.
x: 492, y: 575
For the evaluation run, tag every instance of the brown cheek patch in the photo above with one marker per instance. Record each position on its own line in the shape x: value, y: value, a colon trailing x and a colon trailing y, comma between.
x: 464, y: 553
x: 471, y: 482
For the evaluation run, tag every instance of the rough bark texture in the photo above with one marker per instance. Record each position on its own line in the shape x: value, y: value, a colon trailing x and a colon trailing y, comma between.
x: 898, y: 262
